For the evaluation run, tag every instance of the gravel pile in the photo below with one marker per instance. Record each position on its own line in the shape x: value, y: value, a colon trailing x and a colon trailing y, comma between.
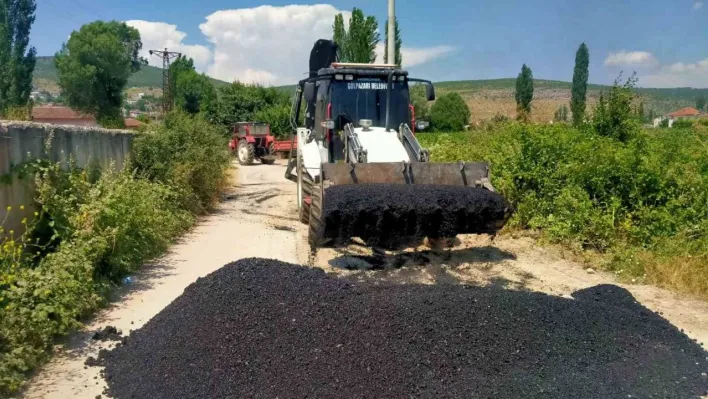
x: 383, y: 214
x: 266, y: 329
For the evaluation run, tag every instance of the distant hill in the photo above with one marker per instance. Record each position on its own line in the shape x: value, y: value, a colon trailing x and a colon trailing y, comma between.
x: 486, y: 98
x: 677, y: 93
x: 45, y: 76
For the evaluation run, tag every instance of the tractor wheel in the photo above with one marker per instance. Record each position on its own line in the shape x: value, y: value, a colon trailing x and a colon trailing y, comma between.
x: 315, y: 231
x: 304, y: 188
x: 246, y: 153
x: 269, y: 157
x: 314, y: 236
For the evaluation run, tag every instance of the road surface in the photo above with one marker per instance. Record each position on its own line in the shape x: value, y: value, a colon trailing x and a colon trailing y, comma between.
x: 258, y: 218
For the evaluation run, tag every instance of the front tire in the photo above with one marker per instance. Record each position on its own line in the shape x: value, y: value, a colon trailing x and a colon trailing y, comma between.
x: 304, y: 187
x: 314, y: 236
x: 246, y: 153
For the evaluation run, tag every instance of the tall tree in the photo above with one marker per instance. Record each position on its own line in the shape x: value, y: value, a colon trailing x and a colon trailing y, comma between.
x: 358, y: 44
x: 700, y: 103
x: 194, y: 92
x: 94, y: 67
x: 561, y: 114
x: 399, y: 57
x: 340, y: 34
x: 179, y: 66
x: 524, y: 93
x: 17, y: 58
x: 580, y: 84
x: 651, y: 115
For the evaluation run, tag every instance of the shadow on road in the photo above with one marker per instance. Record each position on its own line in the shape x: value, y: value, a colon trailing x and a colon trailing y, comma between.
x: 386, y: 261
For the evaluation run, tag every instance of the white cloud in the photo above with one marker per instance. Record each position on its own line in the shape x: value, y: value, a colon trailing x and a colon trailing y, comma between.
x: 698, y: 5
x: 678, y: 75
x: 413, y: 56
x: 160, y: 35
x: 271, y: 45
x: 631, y: 58
x: 266, y: 44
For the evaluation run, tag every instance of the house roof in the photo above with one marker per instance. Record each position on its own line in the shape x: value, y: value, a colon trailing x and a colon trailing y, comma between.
x: 688, y: 111
x: 50, y: 112
x: 130, y: 122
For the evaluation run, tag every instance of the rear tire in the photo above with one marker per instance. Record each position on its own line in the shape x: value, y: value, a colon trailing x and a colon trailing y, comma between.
x: 246, y: 153
x: 269, y: 158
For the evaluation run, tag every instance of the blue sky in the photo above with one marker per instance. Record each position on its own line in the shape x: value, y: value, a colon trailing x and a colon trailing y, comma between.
x: 666, y: 42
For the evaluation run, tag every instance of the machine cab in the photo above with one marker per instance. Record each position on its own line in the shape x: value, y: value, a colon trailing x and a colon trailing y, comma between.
x: 352, y: 93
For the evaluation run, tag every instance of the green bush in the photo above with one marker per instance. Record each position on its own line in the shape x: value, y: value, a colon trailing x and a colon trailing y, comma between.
x: 643, y: 199
x: 613, y: 116
x: 96, y: 226
x: 101, y: 231
x: 682, y: 124
x: 449, y: 113
x: 278, y: 117
x: 188, y: 153
x: 240, y: 102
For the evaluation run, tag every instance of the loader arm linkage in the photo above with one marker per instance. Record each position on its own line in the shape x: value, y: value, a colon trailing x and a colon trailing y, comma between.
x: 354, y: 151
x: 411, y: 144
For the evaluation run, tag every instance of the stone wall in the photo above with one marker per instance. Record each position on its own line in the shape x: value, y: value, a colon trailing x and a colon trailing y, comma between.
x: 22, y: 142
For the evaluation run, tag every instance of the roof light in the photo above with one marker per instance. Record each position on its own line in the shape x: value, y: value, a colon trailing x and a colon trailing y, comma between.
x: 339, y: 76
x: 349, y: 77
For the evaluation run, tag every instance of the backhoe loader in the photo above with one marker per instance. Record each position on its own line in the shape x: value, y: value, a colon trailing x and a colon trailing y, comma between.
x: 357, y: 129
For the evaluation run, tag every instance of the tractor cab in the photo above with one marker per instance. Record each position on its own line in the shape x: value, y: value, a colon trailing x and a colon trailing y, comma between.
x: 243, y: 129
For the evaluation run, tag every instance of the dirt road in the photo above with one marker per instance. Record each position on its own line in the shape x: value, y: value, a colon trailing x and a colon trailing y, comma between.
x: 259, y: 218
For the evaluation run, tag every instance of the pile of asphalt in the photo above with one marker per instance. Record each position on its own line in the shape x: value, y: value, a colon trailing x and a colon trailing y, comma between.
x: 263, y: 328
x: 384, y: 214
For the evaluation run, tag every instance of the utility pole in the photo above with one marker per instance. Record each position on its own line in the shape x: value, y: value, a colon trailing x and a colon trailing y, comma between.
x: 166, y: 56
x: 391, y: 32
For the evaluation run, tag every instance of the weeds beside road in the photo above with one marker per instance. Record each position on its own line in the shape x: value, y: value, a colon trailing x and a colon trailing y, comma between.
x: 96, y: 227
x: 639, y: 203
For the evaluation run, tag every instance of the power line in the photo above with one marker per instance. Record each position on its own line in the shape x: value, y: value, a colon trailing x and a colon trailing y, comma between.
x: 166, y: 56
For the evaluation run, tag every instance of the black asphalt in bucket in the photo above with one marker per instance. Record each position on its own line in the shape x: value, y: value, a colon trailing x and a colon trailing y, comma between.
x: 383, y: 214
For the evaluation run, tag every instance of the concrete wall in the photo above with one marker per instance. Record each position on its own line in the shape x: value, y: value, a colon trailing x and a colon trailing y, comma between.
x: 21, y: 142
x: 69, y: 122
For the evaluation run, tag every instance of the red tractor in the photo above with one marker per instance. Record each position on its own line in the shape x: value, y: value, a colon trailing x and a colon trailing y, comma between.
x: 251, y: 141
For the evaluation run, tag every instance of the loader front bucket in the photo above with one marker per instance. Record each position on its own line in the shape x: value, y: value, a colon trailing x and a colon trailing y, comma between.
x: 386, y: 204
